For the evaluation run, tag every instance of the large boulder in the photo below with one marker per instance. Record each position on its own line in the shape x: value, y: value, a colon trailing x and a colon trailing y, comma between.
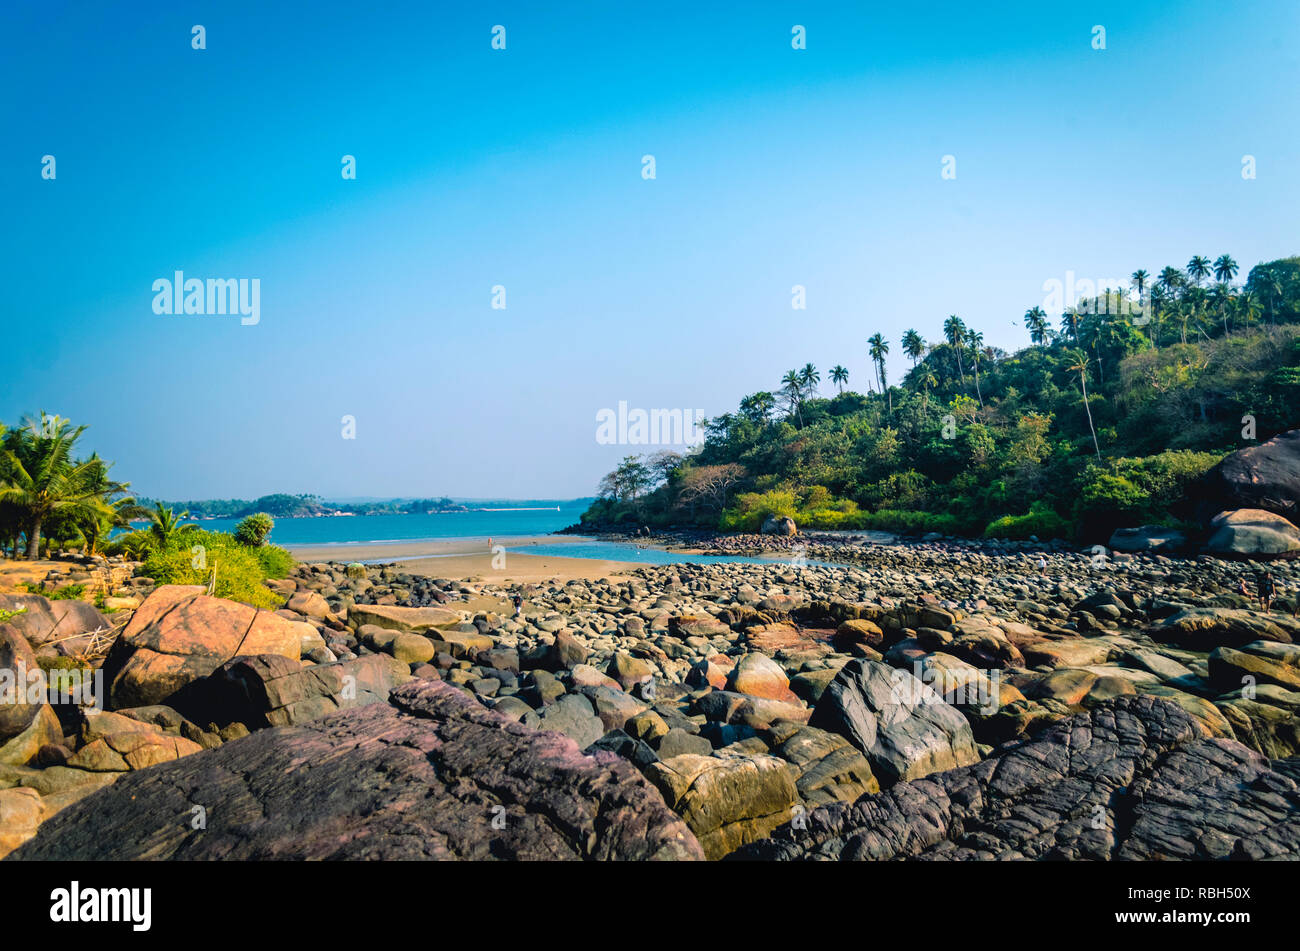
x: 1260, y: 662
x: 433, y: 775
x: 412, y: 620
x: 727, y: 801
x: 1131, y: 779
x: 24, y: 727
x: 1252, y: 533
x: 55, y: 627
x: 180, y: 635
x: 903, y: 727
x: 1208, y: 628
x: 1265, y: 477
x: 779, y: 525
x: 1146, y: 538
x: 270, y: 690
x: 113, y: 743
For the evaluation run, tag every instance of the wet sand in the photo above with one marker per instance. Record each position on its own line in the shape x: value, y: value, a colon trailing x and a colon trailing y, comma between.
x: 466, y: 559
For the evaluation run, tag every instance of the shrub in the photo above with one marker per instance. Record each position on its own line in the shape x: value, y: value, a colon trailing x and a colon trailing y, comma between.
x: 911, y: 523
x: 254, y: 529
x: 69, y: 592
x: 1040, y: 521
x: 276, y: 562
x: 191, y: 559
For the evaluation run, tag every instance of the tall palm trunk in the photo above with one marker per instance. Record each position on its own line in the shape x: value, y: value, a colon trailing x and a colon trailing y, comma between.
x: 34, y: 540
x: 1083, y: 379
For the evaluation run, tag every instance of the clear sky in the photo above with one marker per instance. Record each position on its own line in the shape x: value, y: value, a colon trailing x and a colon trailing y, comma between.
x: 523, y: 168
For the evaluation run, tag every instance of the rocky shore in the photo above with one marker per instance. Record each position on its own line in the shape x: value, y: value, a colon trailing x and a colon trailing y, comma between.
x: 928, y: 700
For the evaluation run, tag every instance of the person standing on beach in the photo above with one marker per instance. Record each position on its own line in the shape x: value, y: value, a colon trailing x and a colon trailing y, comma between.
x: 1267, y: 591
x: 1042, y: 565
x: 518, y: 600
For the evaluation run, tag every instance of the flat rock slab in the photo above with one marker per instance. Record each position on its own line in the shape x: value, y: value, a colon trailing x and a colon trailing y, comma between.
x: 433, y: 775
x: 1132, y: 779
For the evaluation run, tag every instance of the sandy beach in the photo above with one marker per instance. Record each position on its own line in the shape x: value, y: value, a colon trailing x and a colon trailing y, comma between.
x: 466, y: 559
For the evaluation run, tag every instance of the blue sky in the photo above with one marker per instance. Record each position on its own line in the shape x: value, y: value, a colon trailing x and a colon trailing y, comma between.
x: 522, y: 168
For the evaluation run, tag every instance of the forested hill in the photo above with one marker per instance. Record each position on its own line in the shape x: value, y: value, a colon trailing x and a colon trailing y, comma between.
x: 1178, y: 370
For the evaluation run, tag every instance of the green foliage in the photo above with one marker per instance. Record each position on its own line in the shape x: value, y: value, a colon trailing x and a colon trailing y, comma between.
x: 1040, y: 521
x: 903, y: 522
x: 254, y: 529
x: 275, y: 561
x: 192, y: 558
x: 69, y: 592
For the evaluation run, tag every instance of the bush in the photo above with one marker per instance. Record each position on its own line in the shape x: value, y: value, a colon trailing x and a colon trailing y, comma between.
x: 1040, y: 521
x: 134, y: 545
x: 911, y: 523
x: 240, y: 570
x: 69, y: 592
x: 254, y: 529
x: 276, y: 562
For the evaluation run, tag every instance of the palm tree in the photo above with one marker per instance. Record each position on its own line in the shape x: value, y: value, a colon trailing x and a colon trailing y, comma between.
x: 119, y: 509
x: 1225, y: 269
x: 1070, y: 324
x: 1198, y: 269
x: 913, y: 346
x: 1171, y: 280
x: 1036, y: 324
x: 955, y: 333
x: 975, y: 340
x: 809, y: 378
x: 793, y: 390
x: 925, y: 380
x: 1077, y: 362
x: 164, y: 525
x: 1220, y: 296
x: 1140, y: 279
x: 40, y: 477
x: 876, y: 349
x: 839, y: 376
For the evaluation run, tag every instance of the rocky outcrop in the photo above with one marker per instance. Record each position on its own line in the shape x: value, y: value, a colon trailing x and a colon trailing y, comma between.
x: 779, y: 525
x: 727, y: 802
x: 1131, y: 779
x: 1153, y: 538
x: 24, y: 727
x: 433, y: 775
x: 1252, y: 533
x: 900, y: 724
x: 1208, y: 628
x: 62, y: 627
x: 180, y: 634
x: 1265, y: 477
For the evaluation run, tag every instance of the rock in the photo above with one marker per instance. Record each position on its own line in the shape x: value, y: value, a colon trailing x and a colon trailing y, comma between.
x: 811, y: 684
x: 1252, y: 533
x: 635, y: 751
x: 269, y: 690
x: 24, y: 727
x: 574, y: 716
x: 677, y: 742
x: 1066, y: 684
x: 21, y: 812
x: 1265, y: 477
x: 902, y: 726
x: 628, y: 671
x: 434, y: 775
x: 757, y: 675
x: 779, y: 525
x: 569, y: 652
x: 1071, y: 652
x: 1260, y: 661
x: 310, y: 604
x: 858, y: 631
x: 613, y: 706
x: 1208, y: 628
x: 726, y: 802
x: 180, y: 635
x: 1138, y: 764
x: 827, y: 767
x: 412, y: 620
x: 411, y: 648
x: 54, y: 623
x: 1272, y: 729
x: 114, y: 743
x: 1148, y: 538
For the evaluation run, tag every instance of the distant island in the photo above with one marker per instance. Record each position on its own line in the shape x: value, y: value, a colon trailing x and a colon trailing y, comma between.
x: 284, y: 505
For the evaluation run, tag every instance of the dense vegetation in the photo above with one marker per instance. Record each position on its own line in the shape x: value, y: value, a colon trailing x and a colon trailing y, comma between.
x: 49, y: 498
x: 1100, y: 423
